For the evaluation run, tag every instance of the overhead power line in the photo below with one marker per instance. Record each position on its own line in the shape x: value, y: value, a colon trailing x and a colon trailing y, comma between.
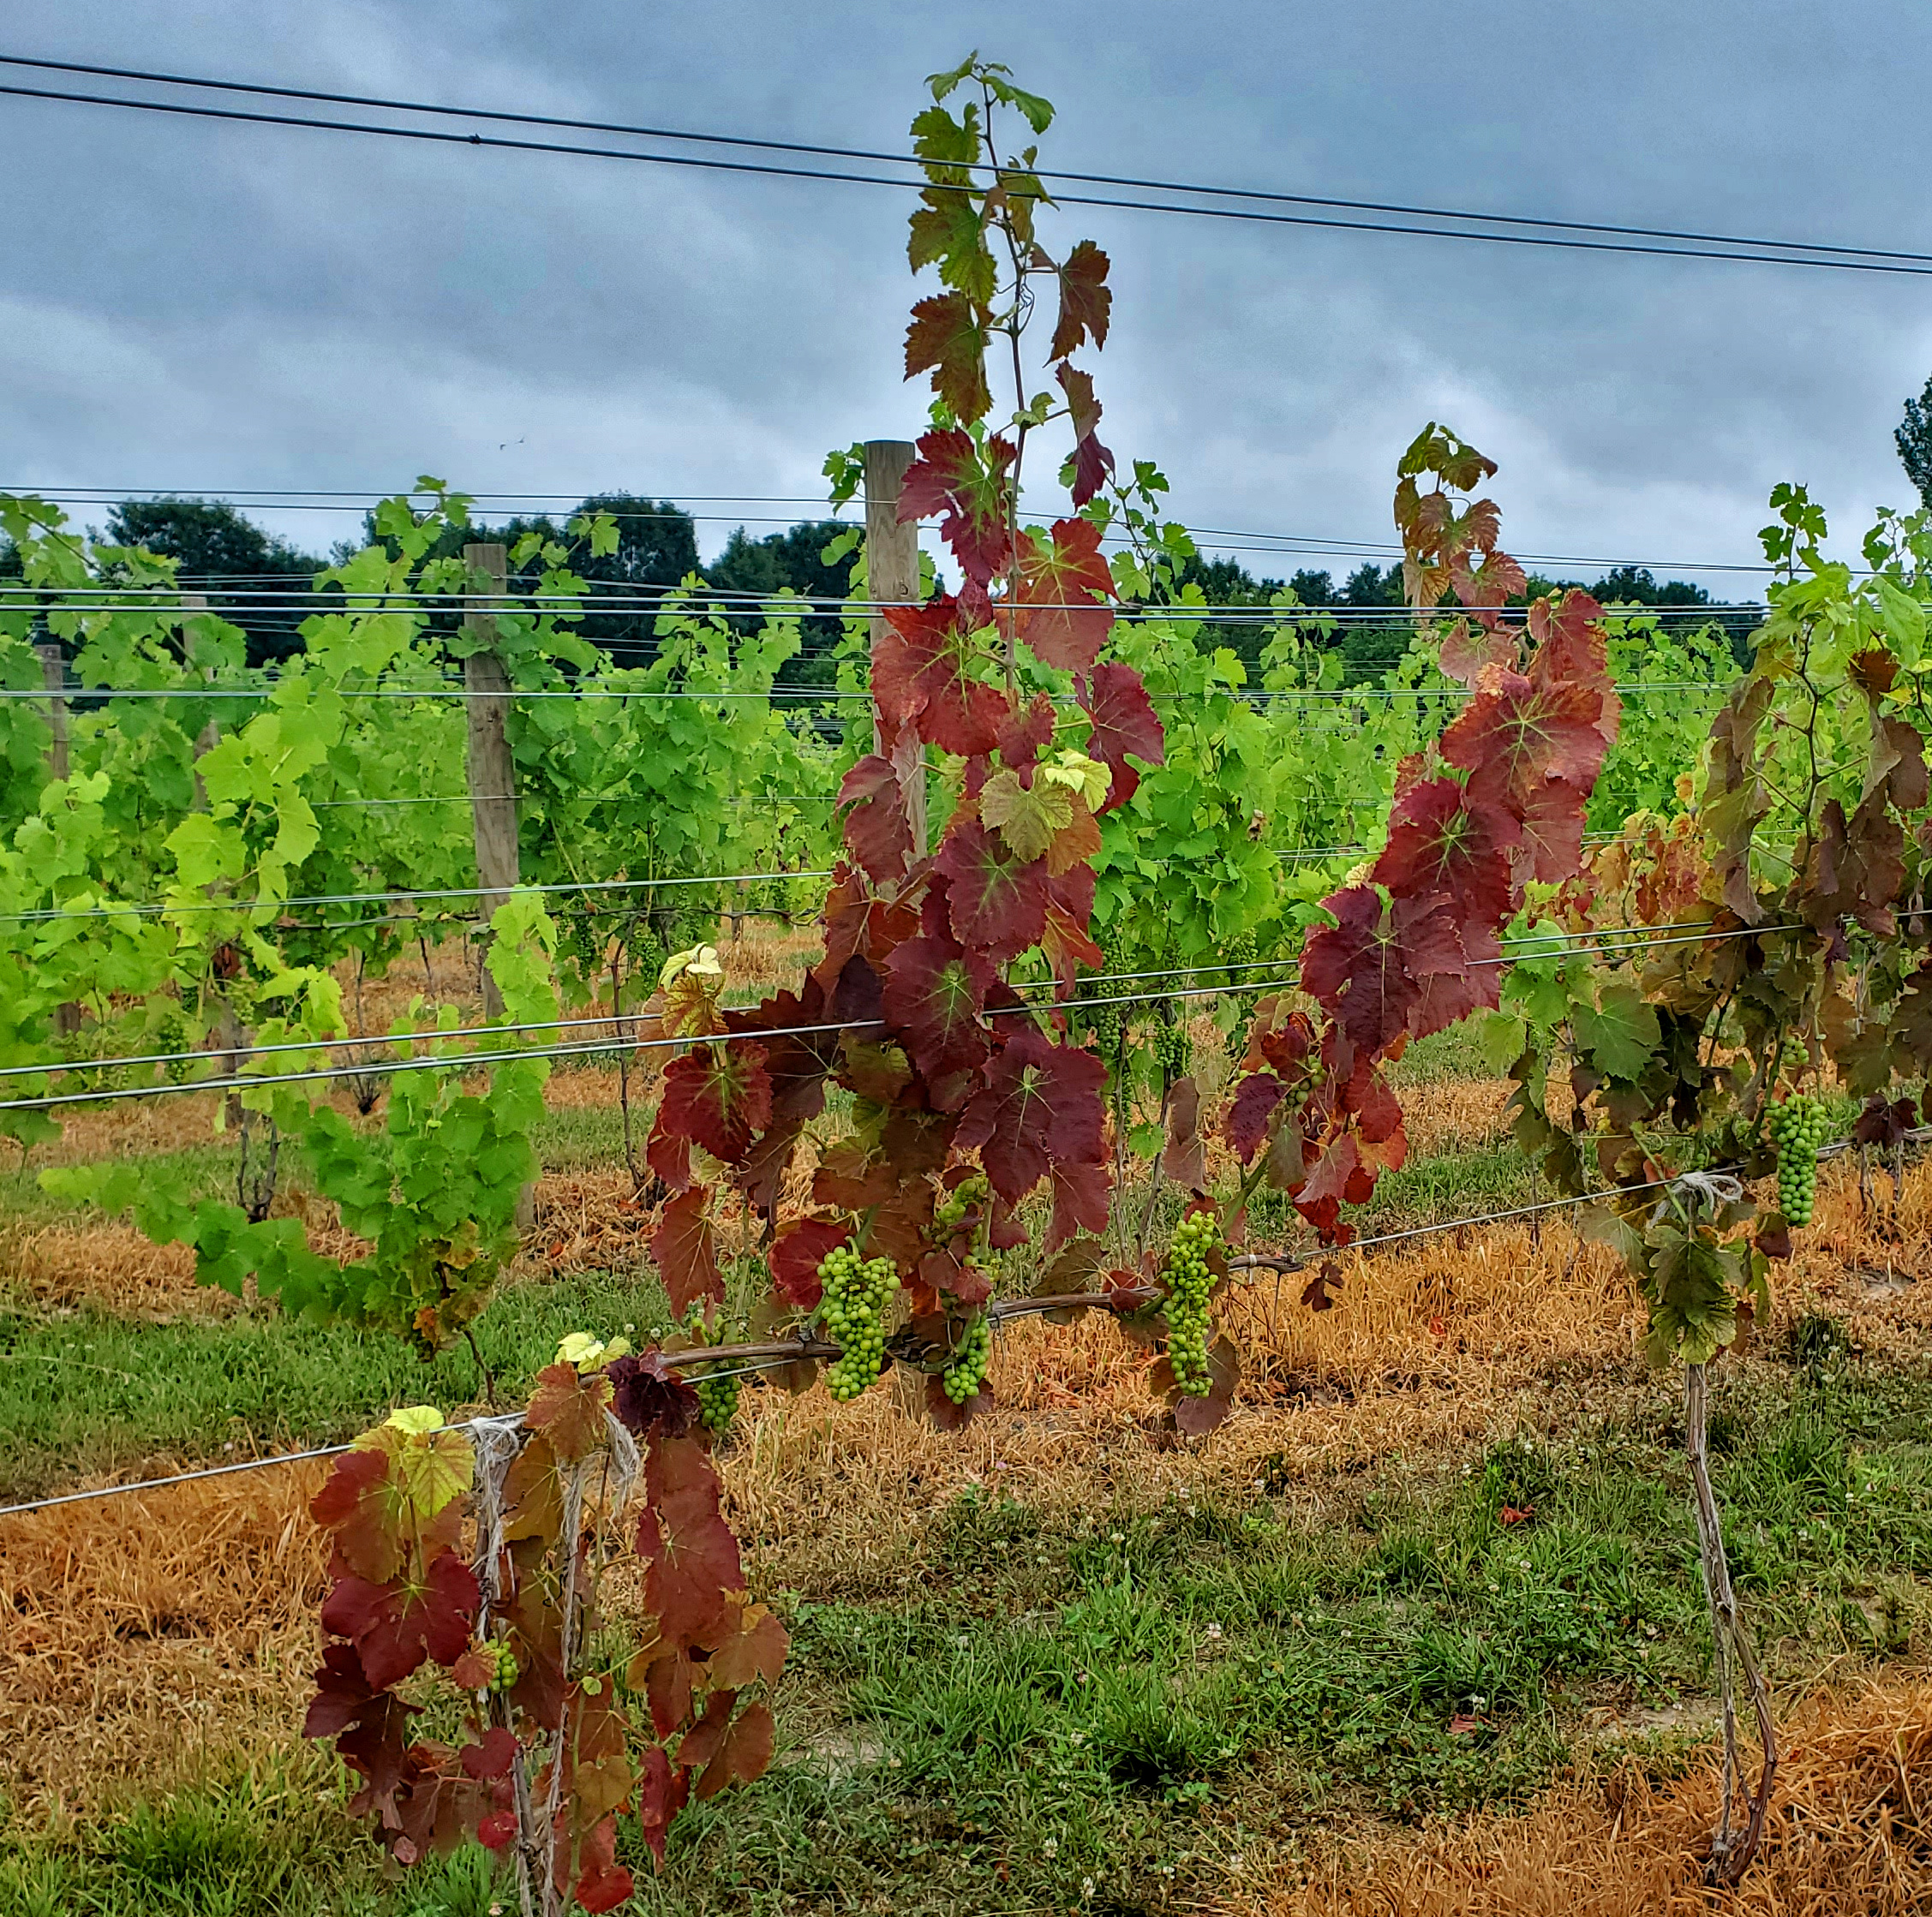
x: 1568, y: 236
x: 1235, y: 203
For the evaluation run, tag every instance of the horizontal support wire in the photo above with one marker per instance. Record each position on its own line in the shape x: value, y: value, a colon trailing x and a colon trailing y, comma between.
x: 780, y: 1355
x: 1611, y: 943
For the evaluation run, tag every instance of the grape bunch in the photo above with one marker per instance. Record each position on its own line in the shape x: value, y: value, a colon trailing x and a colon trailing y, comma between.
x: 1188, y: 1280
x: 852, y: 1313
x: 963, y: 1378
x: 717, y: 1402
x: 1797, y: 1128
x: 717, y: 1397
x: 950, y: 1213
x: 497, y: 1654
x: 1171, y: 1048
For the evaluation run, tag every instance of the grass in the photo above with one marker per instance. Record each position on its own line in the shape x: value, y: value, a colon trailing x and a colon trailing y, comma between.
x: 1143, y: 1694
x: 87, y: 1391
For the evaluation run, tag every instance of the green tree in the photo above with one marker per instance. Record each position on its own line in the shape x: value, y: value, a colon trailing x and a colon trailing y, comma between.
x: 216, y: 545
x: 1914, y: 442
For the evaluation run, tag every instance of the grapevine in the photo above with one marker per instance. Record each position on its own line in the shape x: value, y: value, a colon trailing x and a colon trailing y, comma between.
x: 857, y: 1292
x: 1797, y: 1126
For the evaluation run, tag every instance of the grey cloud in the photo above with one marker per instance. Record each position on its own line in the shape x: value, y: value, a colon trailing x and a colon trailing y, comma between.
x: 209, y: 306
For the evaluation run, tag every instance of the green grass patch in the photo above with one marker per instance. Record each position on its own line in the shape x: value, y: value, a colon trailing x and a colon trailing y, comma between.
x: 1105, y: 1712
x: 84, y: 1392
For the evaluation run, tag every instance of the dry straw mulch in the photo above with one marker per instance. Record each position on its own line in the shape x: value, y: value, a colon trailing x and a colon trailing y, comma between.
x: 1849, y: 1835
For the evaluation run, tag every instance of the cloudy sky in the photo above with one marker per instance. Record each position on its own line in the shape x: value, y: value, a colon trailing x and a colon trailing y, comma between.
x: 220, y: 308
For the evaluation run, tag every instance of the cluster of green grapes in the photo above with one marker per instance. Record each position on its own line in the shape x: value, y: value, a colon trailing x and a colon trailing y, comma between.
x: 963, y: 1378
x: 1188, y: 1281
x: 1241, y: 952
x: 497, y: 1654
x: 717, y: 1397
x: 1797, y: 1128
x: 852, y: 1313
x: 950, y: 1213
x: 1171, y: 1048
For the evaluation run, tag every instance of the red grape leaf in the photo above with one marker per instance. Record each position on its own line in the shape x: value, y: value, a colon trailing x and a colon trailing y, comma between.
x: 1514, y: 735
x: 1027, y: 733
x: 719, y: 1095
x: 1116, y: 701
x: 853, y: 1177
x: 686, y: 1251
x: 947, y: 337
x: 668, y: 1153
x: 1184, y: 1158
x: 744, y: 1753
x: 877, y: 832
x: 924, y: 675
x: 1442, y: 842
x: 691, y: 1555
x: 492, y: 1755
x: 1092, y: 461
x: 395, y: 1626
x: 361, y: 1507
x: 1570, y: 646
x: 1085, y: 301
x: 948, y: 1416
x: 1195, y: 1417
x: 699, y: 1745
x: 1354, y: 970
x: 1081, y: 1196
x: 933, y: 1004
x: 1065, y: 941
x: 797, y: 1253
x: 997, y: 902
x: 569, y: 1405
x: 602, y: 1883
x: 1247, y: 1123
x: 1065, y: 586
x: 1319, y: 1294
x: 971, y: 495
x: 1040, y: 1106
x: 661, y: 1791
x: 650, y: 1399
x: 757, y: 1650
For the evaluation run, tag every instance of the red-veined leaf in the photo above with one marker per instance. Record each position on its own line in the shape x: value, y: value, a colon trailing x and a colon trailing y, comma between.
x: 997, y: 904
x: 719, y: 1095
x: 924, y: 675
x: 1116, y: 701
x: 947, y: 337
x: 969, y: 492
x: 1065, y: 586
x: 933, y: 1004
x: 685, y: 1250
x: 1040, y: 1107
